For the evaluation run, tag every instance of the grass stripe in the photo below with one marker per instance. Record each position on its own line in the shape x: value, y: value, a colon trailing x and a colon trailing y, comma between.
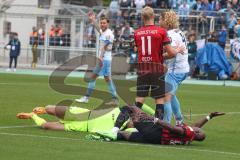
x: 131, y: 144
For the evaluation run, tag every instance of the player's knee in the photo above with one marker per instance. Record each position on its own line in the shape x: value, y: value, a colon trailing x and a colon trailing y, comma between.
x: 50, y: 109
x: 45, y: 126
x: 60, y: 111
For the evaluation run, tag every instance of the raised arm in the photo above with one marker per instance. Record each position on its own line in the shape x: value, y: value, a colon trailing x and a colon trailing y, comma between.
x: 204, y: 120
x: 92, y: 19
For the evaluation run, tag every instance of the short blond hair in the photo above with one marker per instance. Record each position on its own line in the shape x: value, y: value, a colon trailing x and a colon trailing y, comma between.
x: 147, y: 13
x: 171, y: 19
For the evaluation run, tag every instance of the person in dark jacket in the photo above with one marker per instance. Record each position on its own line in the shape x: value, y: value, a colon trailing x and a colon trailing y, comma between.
x: 192, y: 51
x: 14, y: 46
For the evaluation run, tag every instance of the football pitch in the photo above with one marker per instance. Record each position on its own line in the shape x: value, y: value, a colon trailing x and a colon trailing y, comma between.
x: 22, y: 140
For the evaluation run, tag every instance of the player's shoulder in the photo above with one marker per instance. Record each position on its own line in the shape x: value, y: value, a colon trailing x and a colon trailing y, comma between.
x: 109, y: 31
x: 162, y: 30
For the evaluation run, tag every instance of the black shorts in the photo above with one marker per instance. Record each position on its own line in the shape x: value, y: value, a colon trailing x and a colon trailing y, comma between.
x: 153, y: 82
x: 148, y: 133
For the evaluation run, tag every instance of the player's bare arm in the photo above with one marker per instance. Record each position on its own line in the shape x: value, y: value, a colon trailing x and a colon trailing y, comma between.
x: 92, y: 19
x: 204, y: 120
x: 173, y: 51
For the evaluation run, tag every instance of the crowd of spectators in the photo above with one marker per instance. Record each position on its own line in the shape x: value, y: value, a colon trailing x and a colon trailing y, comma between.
x: 224, y: 12
x: 56, y: 35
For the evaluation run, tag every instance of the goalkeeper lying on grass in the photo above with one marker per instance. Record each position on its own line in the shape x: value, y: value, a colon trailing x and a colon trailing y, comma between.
x: 155, y: 131
x: 81, y: 119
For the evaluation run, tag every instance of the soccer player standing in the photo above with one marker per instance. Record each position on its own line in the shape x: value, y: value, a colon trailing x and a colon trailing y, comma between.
x: 150, y: 40
x: 178, y: 66
x: 104, y: 56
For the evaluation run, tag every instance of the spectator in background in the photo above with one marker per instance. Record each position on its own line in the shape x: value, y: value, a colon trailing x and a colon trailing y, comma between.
x: 173, y: 4
x: 150, y: 3
x: 220, y: 20
x: 228, y: 11
x: 59, y: 30
x: 183, y: 12
x: 126, y: 32
x: 163, y: 4
x: 33, y: 35
x: 191, y: 3
x: 192, y: 52
x: 223, y: 3
x: 235, y: 4
x: 235, y: 46
x: 14, y: 46
x: 41, y: 36
x: 139, y: 6
x: 58, y: 36
x: 52, y: 31
x: 51, y: 35
x: 222, y: 37
x: 231, y: 23
x: 120, y: 19
x: 203, y: 25
x: 237, y: 28
x: 34, y: 53
x: 113, y: 11
x: 206, y: 8
x: 125, y: 3
x: 197, y: 6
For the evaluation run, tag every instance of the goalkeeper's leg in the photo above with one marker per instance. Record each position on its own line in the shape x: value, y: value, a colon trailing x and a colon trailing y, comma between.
x: 41, y: 122
x: 58, y: 111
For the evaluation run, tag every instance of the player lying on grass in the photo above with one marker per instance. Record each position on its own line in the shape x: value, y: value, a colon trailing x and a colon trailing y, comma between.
x: 79, y: 119
x: 155, y: 131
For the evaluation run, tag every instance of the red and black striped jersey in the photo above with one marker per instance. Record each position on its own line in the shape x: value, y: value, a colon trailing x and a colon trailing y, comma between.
x: 149, y: 41
x: 172, y: 138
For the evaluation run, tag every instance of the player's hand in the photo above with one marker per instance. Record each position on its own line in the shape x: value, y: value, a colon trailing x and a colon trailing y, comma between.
x: 215, y: 114
x: 181, y: 49
x: 91, y: 16
x: 100, y: 61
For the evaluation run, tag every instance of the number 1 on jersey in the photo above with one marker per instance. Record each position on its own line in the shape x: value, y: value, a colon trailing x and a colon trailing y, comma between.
x: 149, y: 40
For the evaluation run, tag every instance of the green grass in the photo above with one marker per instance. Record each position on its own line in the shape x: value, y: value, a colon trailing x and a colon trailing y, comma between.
x: 21, y: 93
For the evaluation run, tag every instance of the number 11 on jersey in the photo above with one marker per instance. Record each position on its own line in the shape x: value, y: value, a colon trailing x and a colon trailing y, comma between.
x: 149, y: 48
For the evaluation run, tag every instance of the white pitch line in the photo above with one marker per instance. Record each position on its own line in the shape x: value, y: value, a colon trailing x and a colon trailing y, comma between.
x: 131, y: 144
x: 26, y: 126
x: 204, y: 114
x: 18, y: 84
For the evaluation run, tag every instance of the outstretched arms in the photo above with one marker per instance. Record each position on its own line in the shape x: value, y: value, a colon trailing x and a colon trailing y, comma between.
x: 204, y: 120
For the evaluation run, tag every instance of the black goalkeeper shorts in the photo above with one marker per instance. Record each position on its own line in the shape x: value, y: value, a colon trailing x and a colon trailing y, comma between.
x: 153, y: 83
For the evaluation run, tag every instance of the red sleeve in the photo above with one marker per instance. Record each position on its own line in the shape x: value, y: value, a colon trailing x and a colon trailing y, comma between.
x: 189, y: 133
x: 166, y: 39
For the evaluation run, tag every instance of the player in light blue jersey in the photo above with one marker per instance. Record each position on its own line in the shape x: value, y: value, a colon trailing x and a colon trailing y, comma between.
x: 178, y: 66
x: 104, y: 56
x: 235, y: 45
